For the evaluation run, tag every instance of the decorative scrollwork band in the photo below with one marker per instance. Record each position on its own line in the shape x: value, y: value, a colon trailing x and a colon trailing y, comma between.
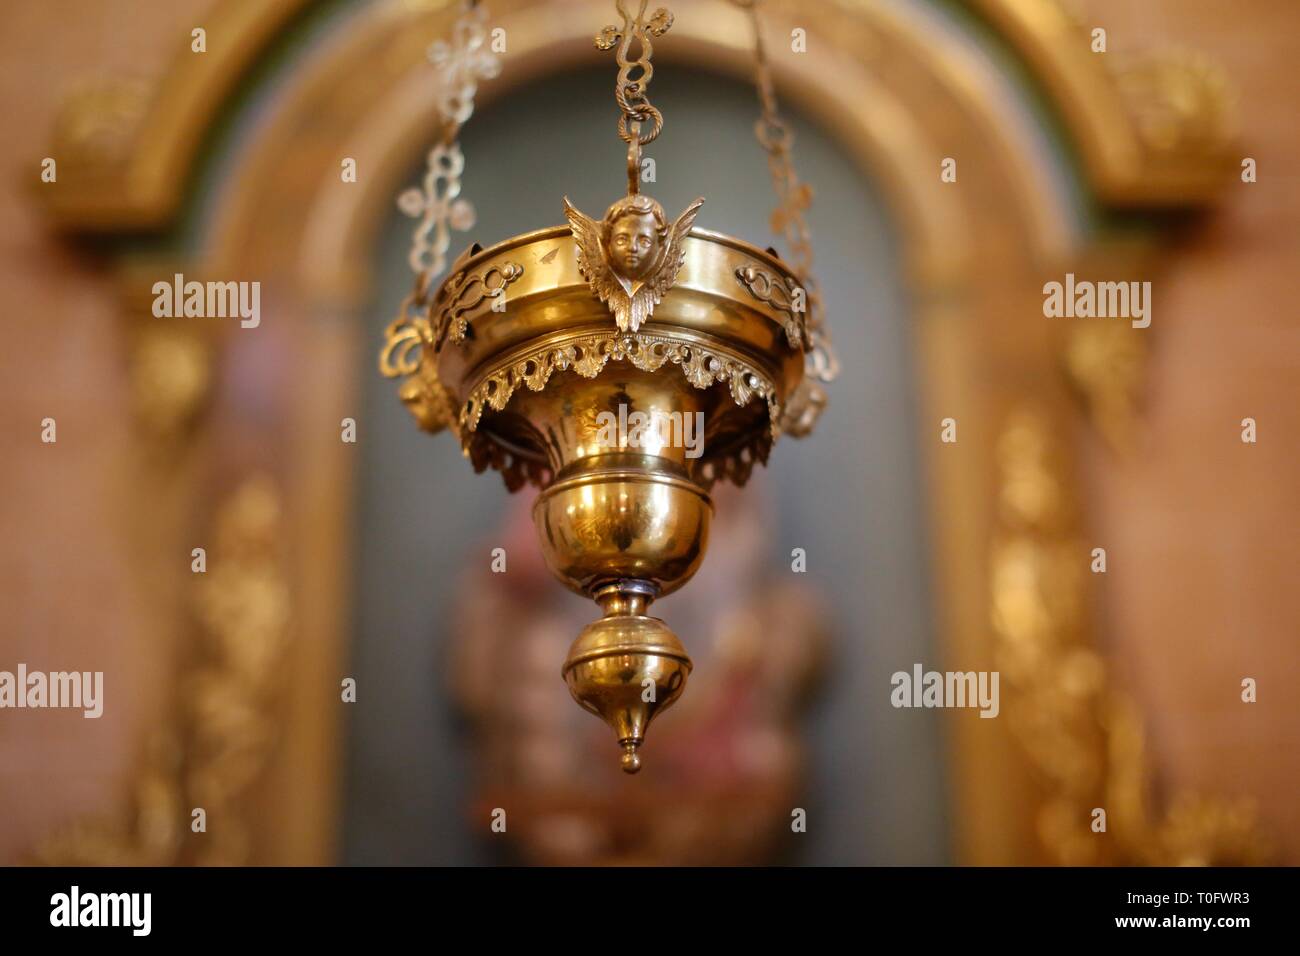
x: 464, y: 292
x: 781, y: 293
x: 590, y: 353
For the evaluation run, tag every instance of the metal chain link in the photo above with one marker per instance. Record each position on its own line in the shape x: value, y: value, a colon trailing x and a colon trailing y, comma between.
x: 631, y: 92
x: 793, y: 198
x: 460, y: 64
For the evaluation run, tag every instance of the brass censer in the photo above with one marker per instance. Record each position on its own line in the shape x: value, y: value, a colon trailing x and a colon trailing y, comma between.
x: 529, y: 349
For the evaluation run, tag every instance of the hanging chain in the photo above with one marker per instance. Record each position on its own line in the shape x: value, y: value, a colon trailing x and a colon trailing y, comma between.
x: 793, y: 197
x: 632, y: 91
x: 460, y: 65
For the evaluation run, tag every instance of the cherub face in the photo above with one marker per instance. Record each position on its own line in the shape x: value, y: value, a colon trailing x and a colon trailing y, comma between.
x: 633, y: 245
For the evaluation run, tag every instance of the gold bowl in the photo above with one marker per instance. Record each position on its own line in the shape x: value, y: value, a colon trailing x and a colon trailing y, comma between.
x: 605, y: 526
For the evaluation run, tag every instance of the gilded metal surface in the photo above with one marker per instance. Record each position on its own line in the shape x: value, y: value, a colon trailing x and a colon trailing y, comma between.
x: 464, y: 292
x: 708, y: 327
x: 632, y: 92
x: 430, y: 403
x: 526, y: 372
x: 706, y: 298
x: 780, y: 292
x: 531, y: 383
x: 588, y: 353
x: 626, y: 667
x: 634, y: 519
x: 631, y: 257
x: 404, y: 340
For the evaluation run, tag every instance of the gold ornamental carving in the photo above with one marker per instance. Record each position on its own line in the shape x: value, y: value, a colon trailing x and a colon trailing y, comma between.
x: 464, y: 292
x: 1083, y: 737
x: 1179, y: 102
x: 170, y: 379
x: 631, y: 257
x: 587, y: 355
x: 211, y: 754
x: 782, y: 293
x: 1107, y: 364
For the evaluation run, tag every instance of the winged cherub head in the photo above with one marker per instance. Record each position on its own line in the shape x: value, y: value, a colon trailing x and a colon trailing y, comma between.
x: 631, y: 258
x: 634, y: 231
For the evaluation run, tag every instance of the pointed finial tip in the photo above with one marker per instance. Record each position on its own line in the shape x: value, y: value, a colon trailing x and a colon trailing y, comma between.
x: 631, y: 760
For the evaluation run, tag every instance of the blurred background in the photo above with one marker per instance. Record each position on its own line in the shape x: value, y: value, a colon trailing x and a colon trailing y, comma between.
x: 331, y: 560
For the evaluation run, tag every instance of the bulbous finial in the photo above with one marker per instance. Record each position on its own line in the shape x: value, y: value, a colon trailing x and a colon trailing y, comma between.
x: 627, y: 667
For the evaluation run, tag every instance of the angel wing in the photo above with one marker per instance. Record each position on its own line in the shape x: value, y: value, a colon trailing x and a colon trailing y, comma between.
x: 594, y: 266
x: 645, y: 298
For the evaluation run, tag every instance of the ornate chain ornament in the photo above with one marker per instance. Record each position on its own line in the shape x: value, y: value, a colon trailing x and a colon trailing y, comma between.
x: 632, y: 92
x: 793, y: 198
x: 631, y: 257
x: 460, y: 65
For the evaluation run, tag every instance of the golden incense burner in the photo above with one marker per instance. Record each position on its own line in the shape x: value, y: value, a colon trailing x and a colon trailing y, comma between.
x: 530, y: 350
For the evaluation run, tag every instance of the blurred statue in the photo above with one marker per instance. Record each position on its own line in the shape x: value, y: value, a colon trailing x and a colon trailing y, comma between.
x: 728, y: 761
